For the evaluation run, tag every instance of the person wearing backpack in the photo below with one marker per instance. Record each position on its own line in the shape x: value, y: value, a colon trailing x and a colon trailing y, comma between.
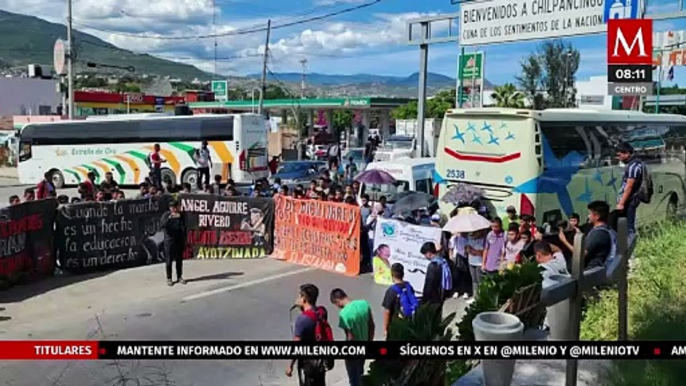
x: 637, y: 186
x: 399, y: 300
x: 601, y: 239
x: 438, y: 284
x: 356, y: 320
x: 311, y: 326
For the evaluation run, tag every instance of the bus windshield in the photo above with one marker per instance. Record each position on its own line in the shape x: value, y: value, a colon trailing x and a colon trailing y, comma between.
x: 391, y: 191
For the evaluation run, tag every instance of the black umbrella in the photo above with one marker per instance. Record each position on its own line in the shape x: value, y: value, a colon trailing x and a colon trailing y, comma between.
x: 409, y: 201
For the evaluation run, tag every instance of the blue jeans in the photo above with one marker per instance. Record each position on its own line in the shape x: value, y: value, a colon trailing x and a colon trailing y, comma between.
x: 355, y: 369
x: 630, y: 210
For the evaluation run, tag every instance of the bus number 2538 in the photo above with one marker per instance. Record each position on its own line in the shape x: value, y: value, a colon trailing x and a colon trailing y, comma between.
x: 455, y: 174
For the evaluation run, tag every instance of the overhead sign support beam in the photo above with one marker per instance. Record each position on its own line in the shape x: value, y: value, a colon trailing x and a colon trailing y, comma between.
x: 423, y: 41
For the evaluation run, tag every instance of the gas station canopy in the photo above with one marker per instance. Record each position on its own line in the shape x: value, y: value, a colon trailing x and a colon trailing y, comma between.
x: 326, y: 104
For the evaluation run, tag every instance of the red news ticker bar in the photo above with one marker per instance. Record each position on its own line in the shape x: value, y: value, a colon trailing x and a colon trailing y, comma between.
x: 48, y: 350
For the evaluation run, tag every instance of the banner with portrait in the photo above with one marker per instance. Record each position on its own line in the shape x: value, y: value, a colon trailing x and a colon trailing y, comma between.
x: 220, y: 227
x: 400, y: 242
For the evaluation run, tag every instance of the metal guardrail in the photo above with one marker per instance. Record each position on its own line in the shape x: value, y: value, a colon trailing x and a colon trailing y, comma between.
x: 582, y: 282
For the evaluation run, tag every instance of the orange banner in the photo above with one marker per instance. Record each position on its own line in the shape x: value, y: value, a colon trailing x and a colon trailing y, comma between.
x: 320, y: 234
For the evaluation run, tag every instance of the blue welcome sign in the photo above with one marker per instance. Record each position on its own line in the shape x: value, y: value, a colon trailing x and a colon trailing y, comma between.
x: 621, y: 9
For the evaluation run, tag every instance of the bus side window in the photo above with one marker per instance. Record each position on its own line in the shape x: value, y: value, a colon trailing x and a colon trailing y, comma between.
x: 25, y: 151
x: 423, y: 186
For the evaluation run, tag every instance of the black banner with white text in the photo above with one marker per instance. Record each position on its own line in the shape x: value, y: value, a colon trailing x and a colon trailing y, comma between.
x: 26, y: 241
x: 92, y: 236
x: 221, y: 227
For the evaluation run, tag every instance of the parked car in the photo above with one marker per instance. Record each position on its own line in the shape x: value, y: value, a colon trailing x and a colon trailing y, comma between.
x: 298, y: 172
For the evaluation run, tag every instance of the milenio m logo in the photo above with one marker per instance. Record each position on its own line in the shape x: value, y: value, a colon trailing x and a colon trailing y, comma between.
x: 630, y: 41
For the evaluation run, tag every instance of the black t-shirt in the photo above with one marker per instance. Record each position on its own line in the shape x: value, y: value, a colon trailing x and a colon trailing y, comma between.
x: 174, y: 229
x: 598, y: 247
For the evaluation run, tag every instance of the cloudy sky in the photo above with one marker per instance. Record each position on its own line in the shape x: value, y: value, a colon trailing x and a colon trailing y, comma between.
x: 368, y: 40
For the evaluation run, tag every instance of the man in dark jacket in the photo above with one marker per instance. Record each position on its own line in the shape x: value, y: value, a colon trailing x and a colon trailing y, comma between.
x: 435, y: 286
x: 174, y: 240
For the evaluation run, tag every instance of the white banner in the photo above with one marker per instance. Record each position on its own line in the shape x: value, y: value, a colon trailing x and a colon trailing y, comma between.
x: 400, y: 242
x: 500, y: 21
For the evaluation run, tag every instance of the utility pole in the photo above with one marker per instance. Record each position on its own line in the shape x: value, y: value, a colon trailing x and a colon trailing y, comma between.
x: 474, y: 70
x: 70, y: 56
x: 264, y: 67
x: 303, y: 61
x: 421, y: 105
x: 214, y: 32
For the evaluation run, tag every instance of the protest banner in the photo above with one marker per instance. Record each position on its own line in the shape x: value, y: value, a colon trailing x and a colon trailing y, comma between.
x: 25, y: 241
x: 320, y: 234
x: 227, y: 227
x: 400, y: 242
x: 93, y: 236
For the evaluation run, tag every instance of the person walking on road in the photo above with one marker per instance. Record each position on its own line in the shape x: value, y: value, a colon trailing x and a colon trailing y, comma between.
x: 312, y: 320
x: 356, y: 320
x: 627, y: 197
x: 174, y: 229
x: 46, y: 188
x: 333, y: 154
x: 439, y: 282
x: 156, y: 162
x: 399, y: 300
x: 204, y: 161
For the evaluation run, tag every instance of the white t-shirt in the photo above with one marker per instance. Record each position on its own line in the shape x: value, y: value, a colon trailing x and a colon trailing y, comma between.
x: 202, y: 156
x: 370, y: 219
x: 512, y: 250
x: 556, y: 266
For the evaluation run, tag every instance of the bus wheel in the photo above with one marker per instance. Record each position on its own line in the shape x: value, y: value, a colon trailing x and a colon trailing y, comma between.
x: 190, y: 176
x: 168, y: 176
x: 672, y: 207
x: 57, y: 179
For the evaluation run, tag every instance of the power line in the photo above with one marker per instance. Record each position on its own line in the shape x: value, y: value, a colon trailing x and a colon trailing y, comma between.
x: 239, y: 31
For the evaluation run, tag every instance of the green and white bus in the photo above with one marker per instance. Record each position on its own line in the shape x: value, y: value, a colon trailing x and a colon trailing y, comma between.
x: 69, y: 150
x: 552, y: 163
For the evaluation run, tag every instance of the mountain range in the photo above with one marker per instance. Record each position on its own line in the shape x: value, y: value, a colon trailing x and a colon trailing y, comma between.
x: 29, y: 40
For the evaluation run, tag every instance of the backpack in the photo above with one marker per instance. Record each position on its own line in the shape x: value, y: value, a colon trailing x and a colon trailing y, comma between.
x: 645, y: 191
x: 447, y: 277
x: 609, y: 262
x: 322, y: 333
x: 408, y: 302
x: 148, y: 161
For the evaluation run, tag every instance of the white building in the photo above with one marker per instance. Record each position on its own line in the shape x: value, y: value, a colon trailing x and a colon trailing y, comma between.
x: 592, y: 94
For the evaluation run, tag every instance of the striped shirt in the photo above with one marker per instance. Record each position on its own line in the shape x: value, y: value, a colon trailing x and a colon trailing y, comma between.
x: 632, y: 170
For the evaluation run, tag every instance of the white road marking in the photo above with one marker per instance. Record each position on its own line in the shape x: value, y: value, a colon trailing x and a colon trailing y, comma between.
x: 246, y: 284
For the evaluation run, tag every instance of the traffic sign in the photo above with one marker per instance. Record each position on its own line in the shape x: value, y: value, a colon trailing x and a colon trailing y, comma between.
x: 220, y: 88
x: 620, y: 9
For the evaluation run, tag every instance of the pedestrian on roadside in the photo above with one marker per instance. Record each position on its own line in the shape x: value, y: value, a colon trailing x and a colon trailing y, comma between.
x: 493, y: 250
x: 143, y: 190
x: 217, y: 185
x: 511, y: 217
x: 628, y: 195
x: 312, y: 320
x: 475, y: 256
x: 273, y: 165
x: 29, y: 194
x: 14, y: 200
x: 399, y: 300
x: 356, y: 320
x: 156, y: 161
x: 333, y: 154
x: 462, y: 281
x: 204, y: 161
x: 438, y: 284
x: 174, y: 228
x: 513, y: 247
x: 601, y: 241
x: 108, y: 186
x: 45, y: 187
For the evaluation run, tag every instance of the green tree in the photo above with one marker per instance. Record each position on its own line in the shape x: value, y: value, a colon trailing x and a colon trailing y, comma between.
x: 548, y: 75
x: 507, y: 95
x: 342, y: 119
x: 435, y: 107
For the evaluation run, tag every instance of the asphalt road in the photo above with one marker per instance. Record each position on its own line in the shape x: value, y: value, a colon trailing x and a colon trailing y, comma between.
x: 224, y: 300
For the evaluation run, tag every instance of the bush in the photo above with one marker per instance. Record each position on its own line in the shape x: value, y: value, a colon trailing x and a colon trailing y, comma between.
x: 657, y: 308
